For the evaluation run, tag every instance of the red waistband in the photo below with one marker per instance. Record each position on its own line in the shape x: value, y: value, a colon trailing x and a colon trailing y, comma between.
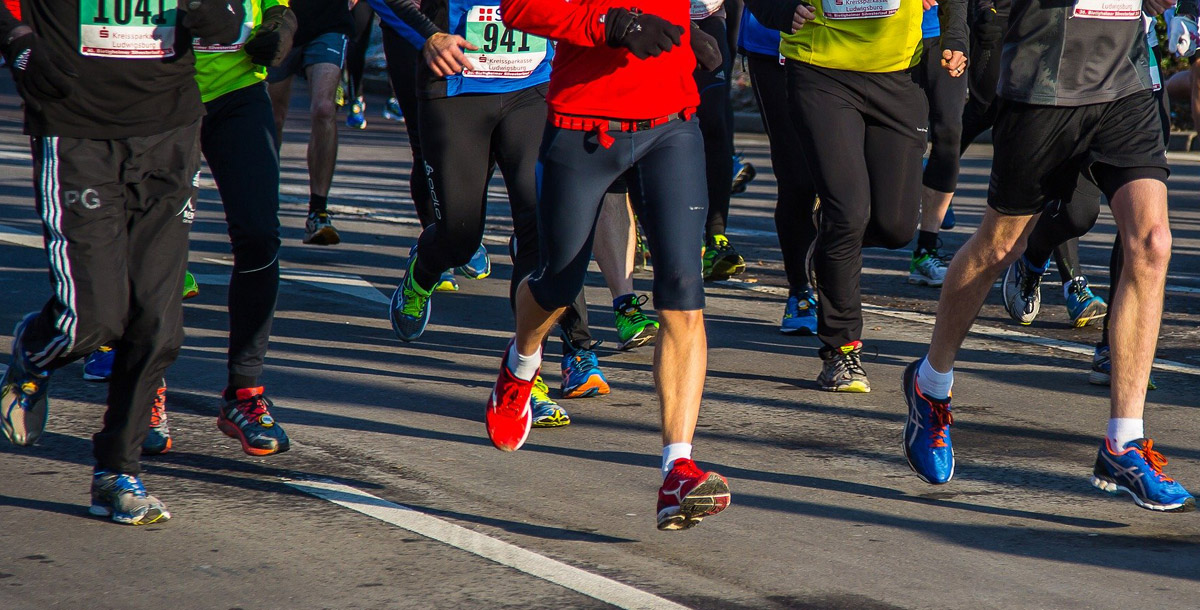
x: 601, y: 126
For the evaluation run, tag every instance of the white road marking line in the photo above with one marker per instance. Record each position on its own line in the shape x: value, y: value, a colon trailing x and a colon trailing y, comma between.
x: 987, y: 331
x: 21, y: 237
x: 593, y: 585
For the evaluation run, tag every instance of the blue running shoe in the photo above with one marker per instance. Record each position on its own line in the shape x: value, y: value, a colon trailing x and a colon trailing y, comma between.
x: 581, y: 375
x: 480, y: 265
x: 392, y: 111
x: 356, y: 118
x: 948, y: 221
x: 409, y: 310
x: 927, y: 432
x: 1102, y: 369
x: 98, y: 364
x: 1137, y: 471
x: 123, y: 498
x: 800, y: 315
x: 23, y: 403
x: 743, y: 173
x: 1083, y: 305
x: 545, y: 412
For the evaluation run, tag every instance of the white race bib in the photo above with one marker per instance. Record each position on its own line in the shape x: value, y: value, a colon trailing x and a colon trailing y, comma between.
x: 859, y: 9
x: 128, y: 29
x: 1115, y: 10
x: 503, y: 52
x: 703, y: 8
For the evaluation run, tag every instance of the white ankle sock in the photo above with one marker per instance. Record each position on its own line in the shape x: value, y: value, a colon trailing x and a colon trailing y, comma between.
x: 673, y: 452
x: 1121, y: 430
x: 521, y: 366
x: 934, y: 383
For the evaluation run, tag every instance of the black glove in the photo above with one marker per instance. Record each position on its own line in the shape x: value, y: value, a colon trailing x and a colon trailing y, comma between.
x: 988, y: 29
x: 40, y: 76
x: 273, y: 38
x: 708, y: 54
x: 644, y: 35
x: 215, y: 21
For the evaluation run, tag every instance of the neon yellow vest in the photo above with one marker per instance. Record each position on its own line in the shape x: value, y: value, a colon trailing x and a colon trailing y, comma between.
x: 858, y: 42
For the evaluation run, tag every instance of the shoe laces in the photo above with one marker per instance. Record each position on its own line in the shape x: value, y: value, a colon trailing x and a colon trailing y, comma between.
x: 414, y: 302
x: 1080, y: 291
x: 510, y: 404
x: 158, y: 411
x: 631, y: 310
x: 719, y: 243
x: 1155, y: 459
x: 940, y: 419
x: 254, y: 408
x: 124, y: 483
x: 1030, y: 281
x: 850, y: 360
x: 583, y: 361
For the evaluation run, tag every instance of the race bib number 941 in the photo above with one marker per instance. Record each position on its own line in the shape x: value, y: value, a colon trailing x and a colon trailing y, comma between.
x: 503, y: 52
x: 132, y: 29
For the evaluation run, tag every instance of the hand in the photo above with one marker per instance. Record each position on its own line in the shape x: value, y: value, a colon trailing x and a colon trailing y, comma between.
x: 988, y: 29
x: 443, y: 53
x: 1181, y: 36
x: 928, y: 4
x: 1155, y: 8
x: 215, y: 21
x: 273, y: 38
x: 804, y: 13
x: 708, y: 54
x: 40, y: 76
x: 644, y: 35
x: 955, y: 62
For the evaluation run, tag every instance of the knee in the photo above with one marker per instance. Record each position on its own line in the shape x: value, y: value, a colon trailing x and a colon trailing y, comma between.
x: 323, y: 110
x: 684, y: 321
x: 1150, y: 250
x: 554, y: 291
x: 891, y: 237
x: 256, y: 248
x: 681, y: 290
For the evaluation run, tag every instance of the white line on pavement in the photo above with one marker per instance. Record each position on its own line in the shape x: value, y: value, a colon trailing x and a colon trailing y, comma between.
x: 987, y: 331
x: 593, y: 585
x: 21, y: 237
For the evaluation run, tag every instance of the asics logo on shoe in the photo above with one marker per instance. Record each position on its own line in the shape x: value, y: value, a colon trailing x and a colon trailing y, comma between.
x: 1131, y: 474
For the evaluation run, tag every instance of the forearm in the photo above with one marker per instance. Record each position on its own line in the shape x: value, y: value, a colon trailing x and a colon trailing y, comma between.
x: 775, y: 14
x: 952, y: 17
x: 10, y: 28
x: 559, y: 20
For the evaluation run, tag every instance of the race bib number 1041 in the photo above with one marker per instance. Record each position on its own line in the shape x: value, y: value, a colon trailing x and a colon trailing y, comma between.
x: 130, y: 29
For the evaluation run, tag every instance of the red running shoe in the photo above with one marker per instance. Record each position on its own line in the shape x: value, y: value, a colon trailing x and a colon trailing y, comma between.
x: 689, y: 495
x: 508, y: 416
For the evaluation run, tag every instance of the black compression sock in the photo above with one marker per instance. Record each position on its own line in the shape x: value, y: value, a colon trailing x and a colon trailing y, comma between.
x: 927, y: 240
x: 317, y: 203
x: 239, y: 382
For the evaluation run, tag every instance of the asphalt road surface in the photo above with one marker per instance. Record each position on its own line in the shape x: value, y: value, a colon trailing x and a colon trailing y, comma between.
x: 392, y: 496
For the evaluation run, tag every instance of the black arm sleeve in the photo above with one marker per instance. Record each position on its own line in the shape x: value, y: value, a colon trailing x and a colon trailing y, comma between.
x: 411, y: 15
x: 8, y: 23
x: 952, y: 16
x: 775, y: 14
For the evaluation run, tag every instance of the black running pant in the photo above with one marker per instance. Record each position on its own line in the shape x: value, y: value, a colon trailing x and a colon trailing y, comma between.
x: 402, y: 60
x: 947, y: 95
x: 115, y: 216
x: 863, y: 135
x: 356, y: 50
x: 716, y: 125
x: 796, y: 191
x: 238, y: 139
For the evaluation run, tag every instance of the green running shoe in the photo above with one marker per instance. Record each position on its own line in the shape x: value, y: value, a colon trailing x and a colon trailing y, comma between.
x: 634, y: 328
x: 721, y: 260
x: 190, y: 288
x: 546, y: 412
x: 410, y: 306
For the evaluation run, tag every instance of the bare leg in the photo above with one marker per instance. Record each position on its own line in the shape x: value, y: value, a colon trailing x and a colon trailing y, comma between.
x: 1140, y: 209
x: 933, y: 207
x: 996, y: 244
x: 614, y: 245
x: 680, y: 361
x: 322, y: 147
x: 281, y: 97
x: 533, y: 322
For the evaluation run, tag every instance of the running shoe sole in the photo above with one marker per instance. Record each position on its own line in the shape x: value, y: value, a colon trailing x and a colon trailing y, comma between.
x: 231, y: 430
x: 151, y: 516
x: 920, y: 280
x: 1096, y: 310
x: 649, y: 332
x: 327, y: 236
x: 1114, y: 488
x: 854, y: 387
x: 707, y: 499
x: 743, y: 178
x: 801, y: 332
x: 594, y: 386
x: 909, y: 373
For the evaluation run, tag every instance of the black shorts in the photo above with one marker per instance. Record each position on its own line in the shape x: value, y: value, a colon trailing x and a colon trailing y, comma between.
x: 1042, y: 151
